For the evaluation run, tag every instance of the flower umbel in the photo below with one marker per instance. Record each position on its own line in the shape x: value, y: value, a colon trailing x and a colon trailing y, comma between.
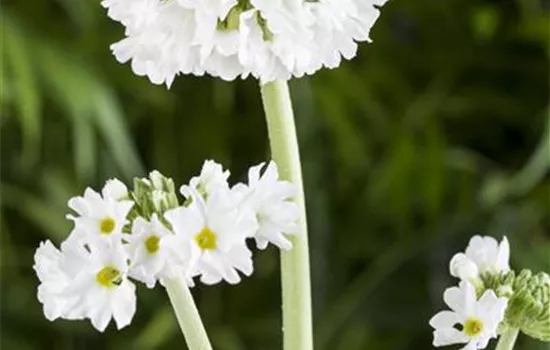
x: 153, y: 238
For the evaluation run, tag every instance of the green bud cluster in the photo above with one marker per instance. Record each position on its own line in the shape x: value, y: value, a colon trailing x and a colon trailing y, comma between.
x: 528, y: 301
x: 155, y: 194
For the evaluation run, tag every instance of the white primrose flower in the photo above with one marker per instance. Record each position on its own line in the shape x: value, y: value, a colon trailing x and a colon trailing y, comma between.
x: 101, y: 216
x: 269, y: 39
x: 48, y: 268
x: 478, y: 319
x: 215, y: 230
x: 149, y: 255
x: 86, y: 279
x: 340, y: 24
x: 211, y: 177
x: 115, y: 189
x: 163, y: 48
x: 269, y: 199
x: 483, y: 255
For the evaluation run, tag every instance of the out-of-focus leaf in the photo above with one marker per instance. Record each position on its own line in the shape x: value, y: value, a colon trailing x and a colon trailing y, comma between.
x: 109, y: 119
x: 160, y: 328
x: 536, y: 168
x: 34, y: 209
x: 26, y: 92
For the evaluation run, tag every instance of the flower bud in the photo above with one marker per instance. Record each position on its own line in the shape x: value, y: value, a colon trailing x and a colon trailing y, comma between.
x: 529, y: 305
x: 462, y: 267
x: 155, y: 194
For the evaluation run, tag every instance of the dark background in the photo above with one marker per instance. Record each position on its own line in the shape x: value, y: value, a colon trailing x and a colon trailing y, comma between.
x: 439, y: 130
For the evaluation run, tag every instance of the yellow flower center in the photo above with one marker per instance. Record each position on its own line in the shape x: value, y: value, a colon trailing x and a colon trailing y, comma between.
x: 108, y: 277
x: 206, y: 239
x: 107, y: 226
x: 152, y: 244
x: 473, y: 326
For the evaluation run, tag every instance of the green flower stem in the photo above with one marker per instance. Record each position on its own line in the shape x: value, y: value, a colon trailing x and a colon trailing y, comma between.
x: 508, y: 339
x: 295, y: 280
x: 187, y: 314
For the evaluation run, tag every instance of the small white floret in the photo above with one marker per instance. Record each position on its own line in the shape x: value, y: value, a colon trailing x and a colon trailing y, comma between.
x: 470, y: 321
x: 101, y: 216
x: 483, y: 255
x: 86, y: 279
x: 270, y: 201
x: 214, y: 230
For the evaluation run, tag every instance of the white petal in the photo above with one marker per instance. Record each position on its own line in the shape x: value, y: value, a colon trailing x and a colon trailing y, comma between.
x: 462, y: 267
x: 461, y: 299
x: 482, y: 341
x: 502, y: 263
x: 491, y: 309
x: 114, y: 189
x: 470, y: 346
x: 100, y: 320
x: 483, y: 251
x: 448, y: 336
x: 124, y: 303
x: 445, y: 319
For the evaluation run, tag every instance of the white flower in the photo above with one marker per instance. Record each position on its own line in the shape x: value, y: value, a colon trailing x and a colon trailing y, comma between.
x: 340, y: 24
x: 102, y: 217
x: 133, y: 13
x: 85, y: 280
x: 270, y: 39
x: 215, y: 230
x: 47, y: 265
x: 162, y: 49
x: 483, y: 255
x: 149, y: 255
x: 478, y: 319
x: 211, y: 177
x: 115, y: 189
x: 270, y: 201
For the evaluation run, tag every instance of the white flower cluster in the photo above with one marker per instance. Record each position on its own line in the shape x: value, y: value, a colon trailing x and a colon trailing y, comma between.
x: 268, y: 39
x: 478, y: 318
x: 115, y: 239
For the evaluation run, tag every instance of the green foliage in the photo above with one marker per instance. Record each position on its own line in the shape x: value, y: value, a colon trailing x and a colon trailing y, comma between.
x: 437, y: 131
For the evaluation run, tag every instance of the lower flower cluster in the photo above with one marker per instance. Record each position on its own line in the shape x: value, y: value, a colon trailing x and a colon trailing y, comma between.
x: 491, y: 299
x: 147, y: 235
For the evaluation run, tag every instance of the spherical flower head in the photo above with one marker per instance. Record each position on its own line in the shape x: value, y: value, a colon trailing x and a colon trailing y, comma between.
x: 270, y: 40
x: 270, y: 201
x: 478, y: 319
x: 483, y: 255
x: 101, y: 216
x: 149, y: 255
x: 215, y: 231
x: 90, y: 282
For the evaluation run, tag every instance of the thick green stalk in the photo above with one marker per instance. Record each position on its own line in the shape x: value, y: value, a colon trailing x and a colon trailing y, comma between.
x: 507, y: 339
x: 187, y: 314
x: 295, y: 280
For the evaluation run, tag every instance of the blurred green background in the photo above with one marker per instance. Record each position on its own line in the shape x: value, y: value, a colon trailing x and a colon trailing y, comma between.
x: 437, y: 131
